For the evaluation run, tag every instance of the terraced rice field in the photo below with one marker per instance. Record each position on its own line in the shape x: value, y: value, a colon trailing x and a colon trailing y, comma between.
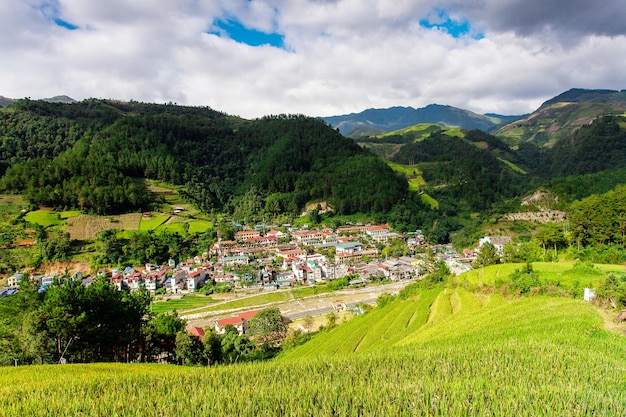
x: 525, y: 357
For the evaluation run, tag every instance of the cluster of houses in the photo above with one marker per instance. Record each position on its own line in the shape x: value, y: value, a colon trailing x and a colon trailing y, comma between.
x: 280, y: 259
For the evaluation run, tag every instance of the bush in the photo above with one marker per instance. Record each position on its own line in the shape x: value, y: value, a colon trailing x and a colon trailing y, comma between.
x: 525, y: 280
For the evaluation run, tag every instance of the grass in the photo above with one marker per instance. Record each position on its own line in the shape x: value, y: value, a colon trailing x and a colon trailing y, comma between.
x: 534, y: 356
x: 13, y: 199
x: 412, y: 174
x: 184, y: 303
x: 513, y: 166
x: 44, y: 218
x: 568, y: 274
x: 256, y: 300
x: 429, y: 201
x: 153, y: 221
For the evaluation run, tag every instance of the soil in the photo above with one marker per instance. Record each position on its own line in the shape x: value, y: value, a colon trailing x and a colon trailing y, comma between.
x: 608, y: 317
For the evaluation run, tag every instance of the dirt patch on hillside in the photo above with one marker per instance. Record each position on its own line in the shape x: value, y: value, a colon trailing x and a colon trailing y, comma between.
x: 544, y: 216
x: 86, y: 227
x: 608, y: 317
x: 62, y: 268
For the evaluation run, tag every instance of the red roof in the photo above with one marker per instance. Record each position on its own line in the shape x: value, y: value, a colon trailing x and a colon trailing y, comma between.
x: 197, y: 331
x: 230, y: 320
x: 247, y: 315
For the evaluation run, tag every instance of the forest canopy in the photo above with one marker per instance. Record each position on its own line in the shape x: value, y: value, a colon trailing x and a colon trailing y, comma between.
x: 90, y: 155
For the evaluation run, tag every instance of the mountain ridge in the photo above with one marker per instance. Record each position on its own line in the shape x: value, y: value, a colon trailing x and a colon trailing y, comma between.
x: 376, y: 121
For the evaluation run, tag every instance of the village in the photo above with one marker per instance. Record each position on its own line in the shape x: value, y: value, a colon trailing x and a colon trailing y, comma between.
x: 267, y: 258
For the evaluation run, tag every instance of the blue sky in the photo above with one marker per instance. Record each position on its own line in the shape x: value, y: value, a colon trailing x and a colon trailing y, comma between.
x: 51, y: 12
x: 456, y: 29
x: 236, y: 31
x: 317, y: 57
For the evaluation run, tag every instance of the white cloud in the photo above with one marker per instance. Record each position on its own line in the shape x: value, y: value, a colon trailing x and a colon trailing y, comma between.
x: 342, y: 56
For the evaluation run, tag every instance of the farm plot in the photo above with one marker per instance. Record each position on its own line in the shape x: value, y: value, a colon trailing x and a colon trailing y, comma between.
x: 85, y: 227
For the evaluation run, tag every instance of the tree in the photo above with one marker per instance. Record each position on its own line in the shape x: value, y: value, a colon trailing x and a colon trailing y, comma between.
x: 235, y: 347
x: 267, y: 326
x: 522, y: 252
x: 212, y: 347
x: 314, y: 214
x: 487, y: 255
x: 160, y: 337
x: 189, y: 348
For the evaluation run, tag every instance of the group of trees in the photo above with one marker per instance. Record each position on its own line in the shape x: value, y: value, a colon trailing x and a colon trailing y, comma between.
x: 89, y: 155
x: 600, y: 219
x: 262, y: 341
x: 71, y: 322
x: 149, y: 247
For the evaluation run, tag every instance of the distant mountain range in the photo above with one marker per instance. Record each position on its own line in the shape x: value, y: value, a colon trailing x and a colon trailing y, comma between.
x: 556, y: 118
x: 376, y: 121
x: 5, y: 101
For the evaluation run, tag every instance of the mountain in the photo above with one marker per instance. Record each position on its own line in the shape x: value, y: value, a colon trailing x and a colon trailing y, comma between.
x: 59, y: 99
x: 376, y: 121
x: 559, y: 117
x: 88, y: 155
x: 5, y: 101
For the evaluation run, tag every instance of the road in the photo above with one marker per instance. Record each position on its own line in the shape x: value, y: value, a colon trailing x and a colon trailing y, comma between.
x: 309, y: 306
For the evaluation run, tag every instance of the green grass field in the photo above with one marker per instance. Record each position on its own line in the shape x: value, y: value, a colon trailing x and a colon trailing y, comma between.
x: 186, y: 302
x: 45, y: 218
x: 513, y: 166
x: 429, y: 201
x: 153, y: 221
x: 567, y: 274
x: 256, y: 300
x: 539, y: 356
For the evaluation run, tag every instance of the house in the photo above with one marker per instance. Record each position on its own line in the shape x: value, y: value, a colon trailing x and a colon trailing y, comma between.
x: 396, y: 270
x: 195, y: 279
x: 498, y: 242
x: 196, y: 331
x: 295, y: 253
x: 309, y: 237
x: 240, y: 323
x: 275, y: 234
x: 352, y: 252
x: 246, y: 234
x: 236, y: 260
x: 381, y: 234
x: 15, y: 279
x: 219, y: 279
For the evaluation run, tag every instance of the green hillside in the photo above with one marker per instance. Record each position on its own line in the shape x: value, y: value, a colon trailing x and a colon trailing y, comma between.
x: 559, y: 117
x: 90, y: 156
x: 524, y: 357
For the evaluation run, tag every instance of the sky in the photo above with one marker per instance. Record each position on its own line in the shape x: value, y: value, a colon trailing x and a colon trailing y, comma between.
x: 316, y: 57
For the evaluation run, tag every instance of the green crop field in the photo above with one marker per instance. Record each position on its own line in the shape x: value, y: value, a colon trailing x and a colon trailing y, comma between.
x: 513, y: 166
x: 567, y: 274
x: 256, y: 300
x: 184, y: 303
x: 536, y: 356
x: 429, y: 201
x: 44, y: 218
x: 153, y: 221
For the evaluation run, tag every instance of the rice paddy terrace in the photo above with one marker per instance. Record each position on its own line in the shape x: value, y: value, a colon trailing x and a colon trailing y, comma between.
x: 427, y: 351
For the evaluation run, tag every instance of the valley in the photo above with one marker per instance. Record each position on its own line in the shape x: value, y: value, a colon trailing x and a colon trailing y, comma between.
x: 434, y: 262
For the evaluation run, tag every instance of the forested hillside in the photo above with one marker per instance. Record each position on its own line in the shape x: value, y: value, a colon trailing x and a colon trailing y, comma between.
x: 475, y: 170
x: 89, y: 156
